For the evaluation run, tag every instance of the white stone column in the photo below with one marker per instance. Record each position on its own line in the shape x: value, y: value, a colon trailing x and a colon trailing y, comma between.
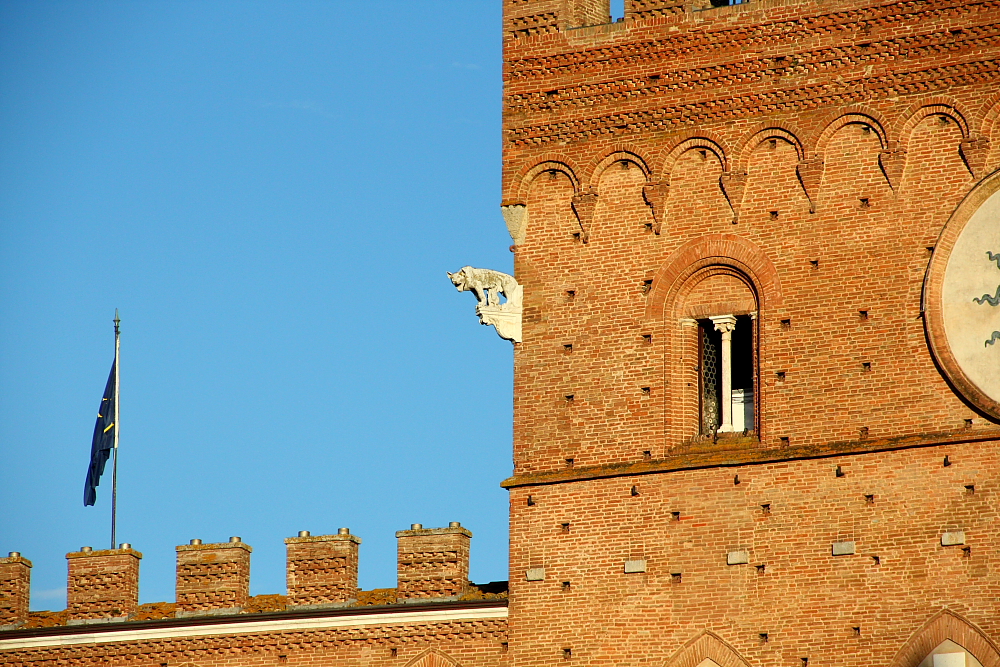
x: 725, y: 324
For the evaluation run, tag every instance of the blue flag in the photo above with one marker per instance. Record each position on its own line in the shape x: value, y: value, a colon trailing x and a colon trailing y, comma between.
x: 104, y: 441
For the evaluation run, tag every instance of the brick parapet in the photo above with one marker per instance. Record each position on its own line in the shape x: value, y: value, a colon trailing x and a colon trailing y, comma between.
x: 103, y: 585
x: 15, y: 590
x: 432, y: 562
x: 213, y: 578
x: 322, y: 569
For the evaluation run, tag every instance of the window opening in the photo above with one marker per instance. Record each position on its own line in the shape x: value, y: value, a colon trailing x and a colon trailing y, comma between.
x: 727, y: 374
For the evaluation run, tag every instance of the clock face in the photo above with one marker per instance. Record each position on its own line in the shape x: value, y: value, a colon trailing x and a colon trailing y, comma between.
x: 962, y: 298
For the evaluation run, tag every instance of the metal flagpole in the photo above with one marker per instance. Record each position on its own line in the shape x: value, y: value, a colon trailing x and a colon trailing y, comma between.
x: 114, y: 469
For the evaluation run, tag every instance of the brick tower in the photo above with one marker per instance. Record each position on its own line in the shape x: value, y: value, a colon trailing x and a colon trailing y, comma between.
x: 757, y: 397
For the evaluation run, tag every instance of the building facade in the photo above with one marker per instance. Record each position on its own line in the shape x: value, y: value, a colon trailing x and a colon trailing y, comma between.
x: 757, y: 370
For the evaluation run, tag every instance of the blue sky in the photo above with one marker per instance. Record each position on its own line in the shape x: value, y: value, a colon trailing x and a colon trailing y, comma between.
x: 271, y: 193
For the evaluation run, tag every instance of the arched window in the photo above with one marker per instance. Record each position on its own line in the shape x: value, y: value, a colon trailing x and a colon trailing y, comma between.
x: 719, y: 305
x: 950, y: 654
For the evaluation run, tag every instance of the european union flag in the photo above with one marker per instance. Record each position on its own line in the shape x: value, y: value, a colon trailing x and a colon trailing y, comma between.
x: 104, y: 440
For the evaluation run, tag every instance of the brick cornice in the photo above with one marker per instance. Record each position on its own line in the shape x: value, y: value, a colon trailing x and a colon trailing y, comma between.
x: 743, y: 457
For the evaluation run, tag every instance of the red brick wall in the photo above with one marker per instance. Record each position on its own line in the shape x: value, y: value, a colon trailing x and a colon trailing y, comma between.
x: 794, y: 158
x: 806, y: 600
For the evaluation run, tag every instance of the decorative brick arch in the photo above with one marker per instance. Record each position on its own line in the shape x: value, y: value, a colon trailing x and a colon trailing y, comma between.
x: 851, y: 118
x: 522, y: 182
x: 943, y: 625
x: 724, y: 250
x: 432, y: 658
x: 693, y: 142
x: 620, y: 154
x: 935, y: 107
x: 742, y: 153
x: 707, y: 645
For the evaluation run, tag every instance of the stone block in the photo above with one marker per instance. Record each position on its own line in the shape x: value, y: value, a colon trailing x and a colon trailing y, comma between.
x: 843, y: 548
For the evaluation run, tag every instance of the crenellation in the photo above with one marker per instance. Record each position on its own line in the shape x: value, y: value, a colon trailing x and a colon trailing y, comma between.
x: 15, y: 590
x: 213, y: 578
x: 103, y: 585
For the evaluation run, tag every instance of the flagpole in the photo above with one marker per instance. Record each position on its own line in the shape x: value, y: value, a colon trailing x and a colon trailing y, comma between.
x: 114, y: 469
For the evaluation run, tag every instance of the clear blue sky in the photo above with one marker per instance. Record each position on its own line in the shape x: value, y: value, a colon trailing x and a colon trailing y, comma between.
x: 271, y: 193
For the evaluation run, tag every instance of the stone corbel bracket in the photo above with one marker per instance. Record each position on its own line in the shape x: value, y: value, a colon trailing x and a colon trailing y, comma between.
x: 733, y: 185
x: 810, y: 173
x: 584, y: 204
x: 655, y: 194
x: 516, y: 216
x: 975, y: 152
x: 892, y: 162
x: 488, y: 285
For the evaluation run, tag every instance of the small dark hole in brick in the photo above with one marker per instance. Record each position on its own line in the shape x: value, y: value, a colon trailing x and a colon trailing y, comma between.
x: 866, y: 129
x: 676, y: 516
x: 646, y: 391
x: 786, y: 324
x: 772, y: 143
x: 647, y: 339
x: 531, y: 501
x: 805, y: 661
x: 863, y: 314
x: 571, y: 294
x: 814, y: 263
x: 839, y: 472
x: 956, y: 31
x: 968, y: 423
x: 877, y: 560
x: 625, y: 164
x: 393, y: 652
x: 568, y: 347
x: 570, y: 463
x: 865, y: 202
x: 564, y: 527
x: 766, y: 508
x: 635, y: 491
x: 576, y: 236
x: 930, y: 249
x: 567, y: 653
x: 763, y: 637
x: 675, y: 577
x: 781, y: 376
x: 970, y: 489
x: 870, y: 498
x: 566, y: 586
x: 646, y: 286
x: 866, y: 366
x: 553, y: 174
x: 761, y: 568
x: 785, y: 441
x: 774, y: 215
x: 863, y: 432
x: 857, y: 631
x: 570, y: 398
x: 947, y: 461
x: 966, y: 552
x: 504, y: 646
x: 648, y: 226
x: 647, y: 455
x: 944, y: 120
x: 654, y: 77
x: 736, y: 479
x: 282, y: 658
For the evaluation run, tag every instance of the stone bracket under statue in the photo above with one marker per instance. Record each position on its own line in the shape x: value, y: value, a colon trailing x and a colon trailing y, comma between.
x: 488, y: 285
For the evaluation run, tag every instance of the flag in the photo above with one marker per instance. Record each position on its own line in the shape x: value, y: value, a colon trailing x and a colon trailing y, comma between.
x: 104, y: 440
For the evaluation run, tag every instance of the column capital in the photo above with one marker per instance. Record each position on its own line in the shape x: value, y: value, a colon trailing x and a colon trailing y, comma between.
x: 724, y: 323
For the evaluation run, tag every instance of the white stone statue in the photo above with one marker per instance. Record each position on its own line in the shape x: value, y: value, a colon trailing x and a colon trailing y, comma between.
x: 488, y: 285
